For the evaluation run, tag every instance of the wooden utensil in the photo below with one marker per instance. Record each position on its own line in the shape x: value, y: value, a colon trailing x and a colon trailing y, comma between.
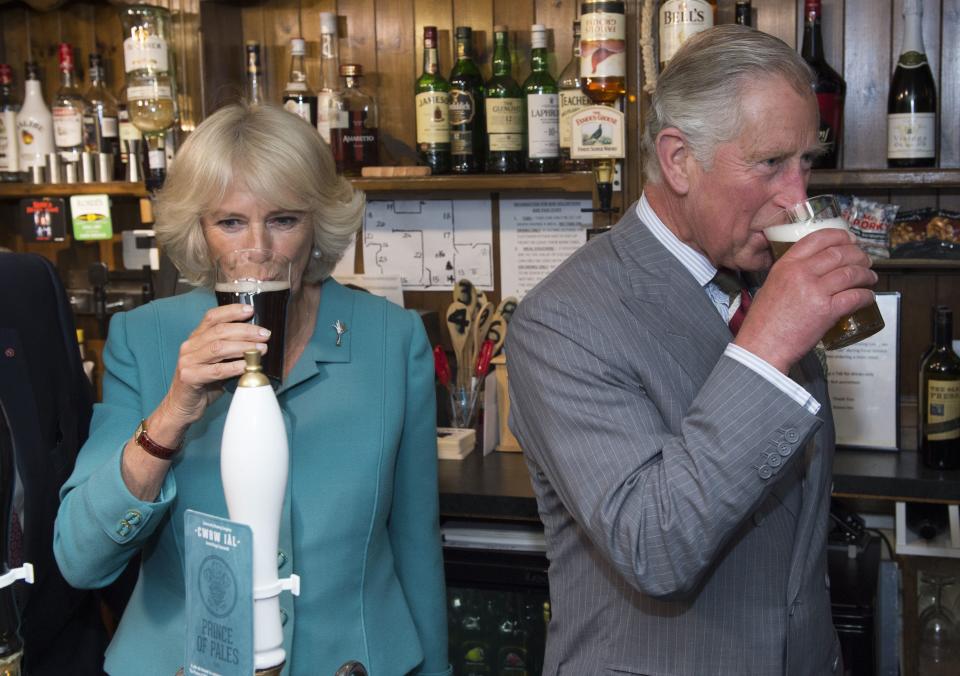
x: 458, y: 324
x: 507, y: 307
x: 496, y: 333
x: 465, y: 292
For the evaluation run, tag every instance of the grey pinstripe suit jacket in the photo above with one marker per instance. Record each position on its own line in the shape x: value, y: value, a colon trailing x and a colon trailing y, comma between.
x: 685, y: 498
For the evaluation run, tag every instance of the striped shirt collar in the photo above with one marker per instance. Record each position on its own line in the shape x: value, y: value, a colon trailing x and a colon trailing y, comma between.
x: 696, y: 263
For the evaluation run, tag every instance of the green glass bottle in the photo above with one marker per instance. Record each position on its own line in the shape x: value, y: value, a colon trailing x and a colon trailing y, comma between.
x: 433, y: 109
x: 466, y: 108
x: 504, y: 112
x: 543, y: 108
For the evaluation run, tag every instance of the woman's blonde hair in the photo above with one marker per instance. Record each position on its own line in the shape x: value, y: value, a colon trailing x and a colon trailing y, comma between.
x: 281, y: 160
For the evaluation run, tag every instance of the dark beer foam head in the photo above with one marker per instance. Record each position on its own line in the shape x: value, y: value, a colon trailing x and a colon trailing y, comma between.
x: 251, y: 286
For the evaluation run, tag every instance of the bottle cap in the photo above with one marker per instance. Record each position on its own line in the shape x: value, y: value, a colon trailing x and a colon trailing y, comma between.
x: 6, y: 74
x: 66, y: 57
x: 298, y: 47
x: 464, y: 32
x: 430, y: 35
x: 499, y: 28
x: 538, y: 36
x: 351, y: 70
x: 328, y: 23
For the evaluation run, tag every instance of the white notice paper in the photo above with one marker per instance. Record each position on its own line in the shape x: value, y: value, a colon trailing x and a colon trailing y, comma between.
x: 429, y: 244
x: 536, y: 235
x: 862, y: 380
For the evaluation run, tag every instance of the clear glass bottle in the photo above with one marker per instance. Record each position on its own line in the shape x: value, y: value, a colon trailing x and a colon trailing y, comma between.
x: 354, y: 124
x: 912, y: 104
x: 504, y: 112
x: 329, y: 71
x: 466, y: 108
x: 34, y: 122
x: 253, y: 90
x: 129, y: 135
x: 9, y: 105
x: 101, y: 116
x: 433, y: 109
x: 298, y: 97
x: 830, y: 88
x: 541, y: 99
x: 68, y: 107
x: 572, y: 99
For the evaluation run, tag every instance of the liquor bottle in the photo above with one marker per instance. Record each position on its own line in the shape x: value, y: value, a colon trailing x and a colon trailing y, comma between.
x: 101, y: 128
x: 680, y: 20
x: 68, y: 107
x: 572, y: 99
x: 329, y: 72
x: 354, y: 124
x: 9, y: 105
x: 830, y: 88
x: 128, y: 134
x: 433, y: 109
x: 298, y: 98
x: 253, y: 90
x: 466, y: 108
x: 939, y: 398
x: 744, y: 13
x: 912, y: 106
x: 543, y: 108
x: 503, y: 108
x: 603, y: 56
x: 34, y: 122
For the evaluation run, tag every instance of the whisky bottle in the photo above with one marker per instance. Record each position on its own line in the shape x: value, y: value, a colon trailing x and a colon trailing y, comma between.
x: 34, y: 122
x: 912, y: 104
x: 466, y: 108
x: 68, y: 107
x: 572, y: 99
x: 504, y: 112
x: 543, y: 108
x: 354, y: 125
x: 298, y: 98
x: 603, y: 56
x: 829, y: 88
x: 680, y: 20
x: 9, y: 105
x: 433, y: 109
x: 329, y: 72
x: 939, y: 397
x: 101, y: 130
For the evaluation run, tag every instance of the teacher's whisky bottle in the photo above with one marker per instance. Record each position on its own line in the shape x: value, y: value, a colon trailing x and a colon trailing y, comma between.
x: 939, y: 397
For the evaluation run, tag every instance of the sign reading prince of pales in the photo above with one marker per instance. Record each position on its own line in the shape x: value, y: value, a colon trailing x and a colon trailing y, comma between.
x: 597, y: 133
x: 219, y: 594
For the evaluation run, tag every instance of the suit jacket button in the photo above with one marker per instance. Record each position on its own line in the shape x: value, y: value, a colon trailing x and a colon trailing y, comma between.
x: 133, y: 517
x: 791, y: 435
x: 765, y: 472
x: 123, y: 528
x: 774, y: 460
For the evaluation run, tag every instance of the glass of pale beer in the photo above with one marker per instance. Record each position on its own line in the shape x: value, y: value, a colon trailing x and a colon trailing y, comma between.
x: 261, y: 278
x: 818, y: 213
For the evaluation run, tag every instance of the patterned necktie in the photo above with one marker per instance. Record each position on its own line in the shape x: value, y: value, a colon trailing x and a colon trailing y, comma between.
x: 16, y: 540
x: 729, y: 282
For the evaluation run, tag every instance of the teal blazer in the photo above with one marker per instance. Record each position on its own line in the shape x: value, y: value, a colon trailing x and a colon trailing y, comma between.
x: 360, y: 518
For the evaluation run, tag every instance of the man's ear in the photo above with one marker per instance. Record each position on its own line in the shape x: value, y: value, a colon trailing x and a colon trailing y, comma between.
x: 674, y: 155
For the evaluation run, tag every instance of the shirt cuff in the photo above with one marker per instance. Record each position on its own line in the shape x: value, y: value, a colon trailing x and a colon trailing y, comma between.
x: 774, y: 377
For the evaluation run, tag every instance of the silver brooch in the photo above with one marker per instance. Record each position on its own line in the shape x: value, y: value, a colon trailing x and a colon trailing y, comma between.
x: 341, y: 329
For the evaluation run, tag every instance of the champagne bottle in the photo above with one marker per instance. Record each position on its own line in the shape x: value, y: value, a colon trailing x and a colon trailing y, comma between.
x: 543, y: 108
x: 572, y: 99
x: 34, y: 122
x: 9, y: 105
x: 939, y: 397
x: 912, y: 106
x: 504, y: 112
x: 680, y: 20
x: 466, y: 108
x: 830, y: 88
x: 603, y: 55
x: 433, y: 109
x: 298, y: 98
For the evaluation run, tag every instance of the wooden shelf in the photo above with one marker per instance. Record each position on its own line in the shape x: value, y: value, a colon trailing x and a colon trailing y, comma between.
x: 915, y: 264
x: 115, y: 189
x: 574, y: 182
x: 885, y: 179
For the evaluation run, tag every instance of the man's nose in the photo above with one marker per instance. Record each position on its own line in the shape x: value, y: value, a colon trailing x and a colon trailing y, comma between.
x: 793, y: 188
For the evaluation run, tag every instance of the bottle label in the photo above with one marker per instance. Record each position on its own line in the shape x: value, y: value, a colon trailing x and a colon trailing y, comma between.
x: 300, y: 108
x: 571, y: 101
x: 461, y: 142
x: 149, y: 93
x: 943, y: 410
x: 128, y: 132
x: 603, y: 44
x: 911, y: 60
x: 34, y: 141
x: 354, y: 145
x: 504, y: 116
x: 911, y: 135
x: 108, y: 127
x: 67, y: 127
x: 679, y: 21
x: 146, y: 52
x: 323, y: 114
x: 831, y: 114
x: 157, y: 159
x: 433, y: 117
x: 463, y: 108
x: 9, y: 157
x: 543, y: 126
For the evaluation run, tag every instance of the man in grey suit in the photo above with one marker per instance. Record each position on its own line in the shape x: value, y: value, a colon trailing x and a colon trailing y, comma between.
x: 683, y: 474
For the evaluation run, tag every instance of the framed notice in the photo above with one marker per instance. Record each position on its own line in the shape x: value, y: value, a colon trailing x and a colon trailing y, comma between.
x: 864, y: 386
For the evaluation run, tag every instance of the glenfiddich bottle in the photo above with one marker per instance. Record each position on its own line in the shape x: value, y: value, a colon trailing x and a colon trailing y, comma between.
x: 572, y: 99
x: 939, y: 397
x: 543, y: 108
x: 433, y: 109
x: 830, y: 88
x: 680, y: 20
x: 466, y: 108
x: 354, y: 124
x: 912, y: 105
x: 603, y: 56
x: 504, y: 112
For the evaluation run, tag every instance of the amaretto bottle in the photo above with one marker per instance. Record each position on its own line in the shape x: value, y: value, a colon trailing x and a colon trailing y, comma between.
x: 354, y: 124
x: 34, y: 122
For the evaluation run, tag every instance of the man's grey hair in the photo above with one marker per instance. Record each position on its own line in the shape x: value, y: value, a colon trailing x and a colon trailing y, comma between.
x: 699, y: 91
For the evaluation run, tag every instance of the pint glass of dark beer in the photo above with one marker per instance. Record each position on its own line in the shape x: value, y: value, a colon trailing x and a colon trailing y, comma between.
x: 818, y: 213
x: 261, y: 278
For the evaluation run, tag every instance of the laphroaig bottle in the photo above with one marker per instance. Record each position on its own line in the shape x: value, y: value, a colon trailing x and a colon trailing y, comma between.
x: 603, y: 55
x: 830, y: 88
x: 68, y: 107
x: 354, y: 124
x: 680, y: 20
x: 298, y: 97
x: 543, y: 108
x: 9, y: 105
x: 253, y: 90
x: 101, y: 128
x: 466, y: 108
x: 433, y: 109
x: 939, y: 397
x: 504, y: 112
x: 34, y: 122
x: 329, y: 71
x: 572, y: 99
x: 912, y: 105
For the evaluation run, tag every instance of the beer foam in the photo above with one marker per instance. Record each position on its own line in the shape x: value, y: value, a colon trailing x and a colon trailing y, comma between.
x: 251, y: 286
x: 794, y: 232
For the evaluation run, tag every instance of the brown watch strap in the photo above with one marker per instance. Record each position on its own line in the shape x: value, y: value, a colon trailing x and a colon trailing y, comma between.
x: 152, y: 447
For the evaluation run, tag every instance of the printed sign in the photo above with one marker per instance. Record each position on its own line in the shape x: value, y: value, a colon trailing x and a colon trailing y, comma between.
x: 596, y: 133
x: 43, y: 219
x: 91, y: 217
